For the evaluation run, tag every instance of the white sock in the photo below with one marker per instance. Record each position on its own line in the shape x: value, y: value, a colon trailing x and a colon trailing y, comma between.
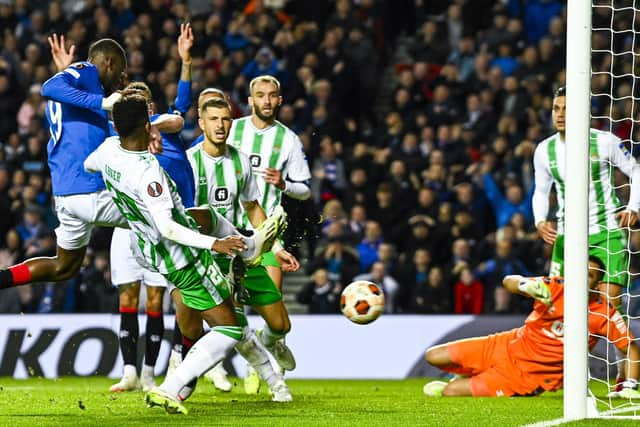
x: 206, y: 352
x: 129, y: 371
x: 223, y: 228
x: 147, y: 371
x: 257, y: 358
x: 269, y: 337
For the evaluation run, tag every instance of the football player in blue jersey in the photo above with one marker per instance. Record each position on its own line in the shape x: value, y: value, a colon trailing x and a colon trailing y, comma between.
x: 79, y: 99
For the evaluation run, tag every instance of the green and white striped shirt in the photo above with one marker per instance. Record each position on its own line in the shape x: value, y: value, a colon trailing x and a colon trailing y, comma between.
x: 275, y: 147
x: 223, y: 182
x: 606, y: 152
x: 142, y: 190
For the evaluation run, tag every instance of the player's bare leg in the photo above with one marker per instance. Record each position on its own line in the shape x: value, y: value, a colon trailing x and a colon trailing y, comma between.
x: 129, y: 332
x: 438, y: 356
x: 63, y: 266
x: 458, y: 387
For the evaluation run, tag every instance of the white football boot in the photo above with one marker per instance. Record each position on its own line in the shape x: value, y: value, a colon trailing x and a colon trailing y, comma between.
x: 127, y: 383
x: 218, y: 377
x: 280, y: 392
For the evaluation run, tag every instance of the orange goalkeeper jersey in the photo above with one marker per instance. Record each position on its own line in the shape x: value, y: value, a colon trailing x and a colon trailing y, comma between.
x: 539, y: 346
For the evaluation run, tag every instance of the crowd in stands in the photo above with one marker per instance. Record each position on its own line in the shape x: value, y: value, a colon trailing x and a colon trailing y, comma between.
x: 422, y: 181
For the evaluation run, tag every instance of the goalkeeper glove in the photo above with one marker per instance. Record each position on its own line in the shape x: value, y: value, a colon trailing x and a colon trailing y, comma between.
x: 536, y: 289
x: 109, y: 101
x: 629, y: 390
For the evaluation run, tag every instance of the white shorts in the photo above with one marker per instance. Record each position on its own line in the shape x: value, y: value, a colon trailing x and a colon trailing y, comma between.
x: 79, y: 213
x: 124, y: 267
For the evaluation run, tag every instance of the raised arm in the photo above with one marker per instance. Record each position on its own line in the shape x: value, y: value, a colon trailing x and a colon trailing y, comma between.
x: 296, y: 183
x: 185, y: 43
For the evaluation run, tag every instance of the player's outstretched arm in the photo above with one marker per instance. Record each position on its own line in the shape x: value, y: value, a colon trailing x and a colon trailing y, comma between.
x: 185, y: 43
x: 168, y: 123
x: 533, y: 287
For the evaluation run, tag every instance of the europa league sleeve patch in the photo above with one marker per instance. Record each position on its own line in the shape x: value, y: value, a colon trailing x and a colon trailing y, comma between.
x: 154, y: 189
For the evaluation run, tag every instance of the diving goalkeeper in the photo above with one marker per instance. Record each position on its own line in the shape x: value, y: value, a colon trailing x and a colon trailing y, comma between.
x: 529, y: 360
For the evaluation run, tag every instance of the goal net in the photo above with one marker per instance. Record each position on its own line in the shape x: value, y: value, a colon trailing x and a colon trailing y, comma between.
x: 615, y: 92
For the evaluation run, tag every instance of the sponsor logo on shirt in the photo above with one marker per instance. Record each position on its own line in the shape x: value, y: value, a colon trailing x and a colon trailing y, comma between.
x: 221, y: 194
x: 256, y: 160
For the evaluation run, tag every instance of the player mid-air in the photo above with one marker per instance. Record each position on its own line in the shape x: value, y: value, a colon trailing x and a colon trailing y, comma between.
x: 166, y: 239
x: 528, y: 360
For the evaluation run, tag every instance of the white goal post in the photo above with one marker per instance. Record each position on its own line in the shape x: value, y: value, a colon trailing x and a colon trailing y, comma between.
x: 578, y: 72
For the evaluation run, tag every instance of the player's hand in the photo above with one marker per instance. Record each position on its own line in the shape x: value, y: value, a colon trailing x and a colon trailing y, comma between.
x: 288, y: 262
x: 274, y: 177
x: 109, y: 101
x: 61, y: 56
x: 185, y: 42
x: 155, y: 141
x: 547, y: 231
x: 627, y: 218
x: 230, y: 245
x: 536, y: 289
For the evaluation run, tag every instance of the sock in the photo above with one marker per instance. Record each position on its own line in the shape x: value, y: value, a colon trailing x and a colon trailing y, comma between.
x: 129, y: 335
x: 129, y: 371
x: 147, y: 371
x: 15, y: 275
x: 221, y: 227
x: 155, y: 332
x: 186, y: 345
x: 177, y: 337
x: 241, y: 318
x: 269, y: 337
x: 209, y: 350
x: 257, y: 358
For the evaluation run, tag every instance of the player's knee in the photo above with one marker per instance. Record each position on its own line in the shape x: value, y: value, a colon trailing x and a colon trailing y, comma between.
x: 66, y: 270
x: 280, y: 324
x: 128, y: 300
x: 434, y: 355
x: 154, y: 301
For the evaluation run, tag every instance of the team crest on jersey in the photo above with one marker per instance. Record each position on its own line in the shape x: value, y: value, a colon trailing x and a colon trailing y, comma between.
x: 154, y: 189
x: 256, y: 160
x: 221, y: 194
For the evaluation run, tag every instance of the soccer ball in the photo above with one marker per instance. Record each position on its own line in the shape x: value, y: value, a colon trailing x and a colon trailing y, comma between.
x: 362, y: 302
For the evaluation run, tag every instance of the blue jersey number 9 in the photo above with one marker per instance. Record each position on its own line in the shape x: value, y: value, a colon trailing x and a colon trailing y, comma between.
x: 54, y: 111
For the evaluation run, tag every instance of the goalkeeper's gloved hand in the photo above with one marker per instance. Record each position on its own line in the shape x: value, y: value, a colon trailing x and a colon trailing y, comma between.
x: 109, y: 101
x: 536, y: 289
x: 629, y: 390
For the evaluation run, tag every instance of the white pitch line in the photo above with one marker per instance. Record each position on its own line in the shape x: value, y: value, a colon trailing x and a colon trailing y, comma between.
x: 549, y: 423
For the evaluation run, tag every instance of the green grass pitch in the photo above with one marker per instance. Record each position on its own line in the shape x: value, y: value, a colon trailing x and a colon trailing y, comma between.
x: 87, y: 402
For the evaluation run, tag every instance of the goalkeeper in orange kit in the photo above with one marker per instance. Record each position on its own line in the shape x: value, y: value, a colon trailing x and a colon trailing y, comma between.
x: 529, y: 360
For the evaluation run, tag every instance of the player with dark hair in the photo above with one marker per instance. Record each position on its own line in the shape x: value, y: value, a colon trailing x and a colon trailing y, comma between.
x: 167, y: 241
x: 77, y: 111
x: 529, y: 360
x: 608, y: 218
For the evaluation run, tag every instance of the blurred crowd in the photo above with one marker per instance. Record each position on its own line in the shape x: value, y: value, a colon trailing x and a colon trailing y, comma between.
x: 419, y: 119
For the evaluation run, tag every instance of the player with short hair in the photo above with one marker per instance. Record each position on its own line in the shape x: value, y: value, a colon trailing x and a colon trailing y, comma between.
x: 166, y: 239
x: 606, y: 214
x: 280, y: 165
x: 607, y: 217
x: 529, y: 360
x: 77, y: 112
x: 225, y: 182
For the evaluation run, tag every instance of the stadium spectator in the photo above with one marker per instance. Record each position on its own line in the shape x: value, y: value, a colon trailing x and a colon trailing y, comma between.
x: 468, y: 293
x: 321, y: 294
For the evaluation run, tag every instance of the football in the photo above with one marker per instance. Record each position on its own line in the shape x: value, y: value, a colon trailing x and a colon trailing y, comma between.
x: 362, y: 302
